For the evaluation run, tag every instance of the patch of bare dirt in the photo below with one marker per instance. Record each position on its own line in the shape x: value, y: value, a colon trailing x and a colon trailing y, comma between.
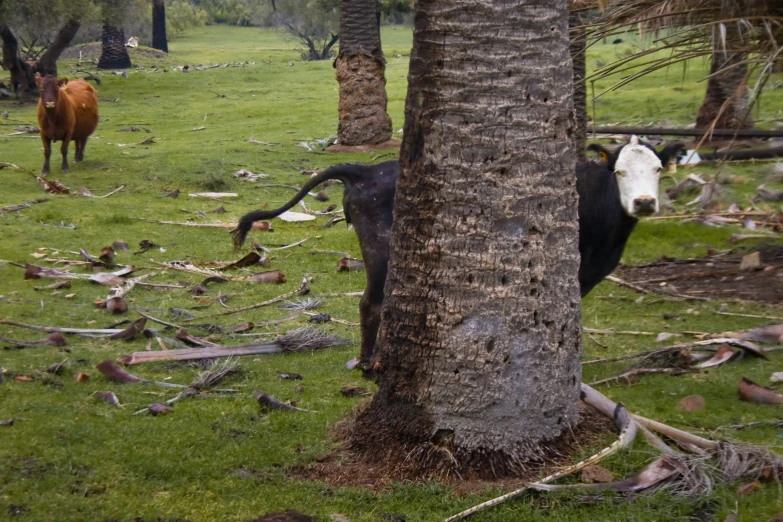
x: 717, y: 277
x: 346, y: 467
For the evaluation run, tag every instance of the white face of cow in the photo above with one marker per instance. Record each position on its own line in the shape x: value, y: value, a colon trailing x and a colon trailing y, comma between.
x: 638, y: 170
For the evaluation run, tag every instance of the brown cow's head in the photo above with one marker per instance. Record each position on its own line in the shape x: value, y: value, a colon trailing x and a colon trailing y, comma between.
x: 50, y: 90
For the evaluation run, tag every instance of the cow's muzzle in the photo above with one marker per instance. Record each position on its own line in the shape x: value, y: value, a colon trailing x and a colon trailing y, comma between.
x: 644, y: 206
x: 49, y: 105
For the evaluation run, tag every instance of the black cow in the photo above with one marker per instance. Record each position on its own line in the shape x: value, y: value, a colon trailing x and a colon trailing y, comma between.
x: 611, y: 194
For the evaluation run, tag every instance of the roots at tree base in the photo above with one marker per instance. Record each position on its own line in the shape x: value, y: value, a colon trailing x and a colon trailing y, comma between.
x: 400, y: 437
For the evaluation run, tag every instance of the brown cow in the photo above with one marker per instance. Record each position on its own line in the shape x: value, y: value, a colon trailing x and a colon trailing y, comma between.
x: 66, y: 111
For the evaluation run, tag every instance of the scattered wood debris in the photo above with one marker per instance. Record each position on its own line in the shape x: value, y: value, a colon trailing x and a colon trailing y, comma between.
x: 751, y: 392
x: 268, y: 403
x: 294, y: 341
x: 21, y: 206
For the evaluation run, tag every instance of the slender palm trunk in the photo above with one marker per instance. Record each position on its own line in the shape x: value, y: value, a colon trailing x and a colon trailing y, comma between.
x: 726, y: 100
x: 159, y: 40
x: 727, y: 96
x: 114, y: 55
x: 480, y: 341
x: 361, y: 75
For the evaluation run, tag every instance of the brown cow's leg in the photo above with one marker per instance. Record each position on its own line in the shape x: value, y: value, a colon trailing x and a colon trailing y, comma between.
x: 47, y: 143
x: 64, y: 150
x: 80, y: 144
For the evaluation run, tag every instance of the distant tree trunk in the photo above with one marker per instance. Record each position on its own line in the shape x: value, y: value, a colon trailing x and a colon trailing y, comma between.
x: 577, y: 48
x: 726, y: 86
x: 22, y: 75
x: 361, y: 75
x: 727, y: 78
x: 48, y: 62
x: 114, y: 55
x: 159, y: 40
x: 480, y: 340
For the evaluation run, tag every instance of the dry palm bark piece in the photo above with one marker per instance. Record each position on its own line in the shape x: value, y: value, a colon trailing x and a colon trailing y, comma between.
x: 724, y: 354
x: 275, y: 277
x: 267, y: 403
x: 348, y: 264
x: 54, y: 339
x: 108, y: 397
x: 159, y: 409
x: 134, y: 329
x: 749, y: 391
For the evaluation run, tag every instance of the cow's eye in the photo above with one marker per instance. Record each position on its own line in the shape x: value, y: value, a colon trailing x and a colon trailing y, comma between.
x: 620, y: 173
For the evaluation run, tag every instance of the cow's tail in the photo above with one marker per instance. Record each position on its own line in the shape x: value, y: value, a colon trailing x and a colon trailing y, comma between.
x: 348, y: 174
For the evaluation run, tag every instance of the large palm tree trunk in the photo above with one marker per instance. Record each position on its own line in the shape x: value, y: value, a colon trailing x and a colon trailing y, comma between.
x: 578, y: 49
x: 480, y: 341
x: 361, y: 75
x: 159, y: 40
x: 114, y: 55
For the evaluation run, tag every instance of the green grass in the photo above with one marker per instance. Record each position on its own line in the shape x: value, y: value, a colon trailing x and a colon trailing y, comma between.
x: 72, y: 457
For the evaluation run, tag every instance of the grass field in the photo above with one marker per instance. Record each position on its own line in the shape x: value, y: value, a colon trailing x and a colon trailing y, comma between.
x: 71, y: 457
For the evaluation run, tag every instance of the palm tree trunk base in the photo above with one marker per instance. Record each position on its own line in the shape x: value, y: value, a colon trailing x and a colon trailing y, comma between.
x: 362, y: 108
x: 398, y: 439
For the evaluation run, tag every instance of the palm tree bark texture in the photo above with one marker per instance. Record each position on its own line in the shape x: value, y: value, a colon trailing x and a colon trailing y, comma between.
x: 726, y: 101
x: 114, y: 55
x: 361, y: 74
x: 578, y: 49
x: 478, y: 362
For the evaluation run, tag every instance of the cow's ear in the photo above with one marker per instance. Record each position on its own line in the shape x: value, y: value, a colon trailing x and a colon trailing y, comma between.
x: 603, y: 154
x: 62, y: 81
x: 38, y: 79
x: 672, y: 152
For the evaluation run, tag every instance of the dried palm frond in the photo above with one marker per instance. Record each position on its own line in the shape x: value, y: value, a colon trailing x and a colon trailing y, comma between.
x: 309, y: 339
x: 689, y: 29
x: 218, y: 371
x: 302, y: 304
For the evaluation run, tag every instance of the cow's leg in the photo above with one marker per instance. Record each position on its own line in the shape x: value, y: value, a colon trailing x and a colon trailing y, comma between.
x: 370, y: 317
x: 376, y: 261
x: 80, y: 144
x: 47, y: 144
x: 64, y: 151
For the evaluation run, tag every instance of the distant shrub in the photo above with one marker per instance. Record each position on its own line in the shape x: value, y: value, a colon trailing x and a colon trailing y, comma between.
x: 181, y: 15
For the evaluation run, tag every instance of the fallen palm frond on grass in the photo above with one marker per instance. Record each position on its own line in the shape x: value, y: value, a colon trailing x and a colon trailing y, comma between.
x: 624, y: 424
x: 218, y: 371
x: 57, y: 329
x: 21, y: 206
x: 297, y: 340
x: 658, y: 291
x: 302, y: 290
x: 686, y: 474
x: 54, y: 339
x: 627, y: 375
